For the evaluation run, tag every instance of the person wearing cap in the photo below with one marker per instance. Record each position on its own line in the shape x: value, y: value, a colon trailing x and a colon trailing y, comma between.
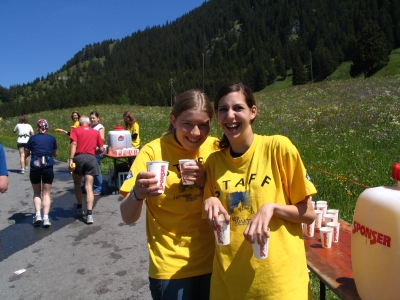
x: 42, y: 147
x: 24, y: 131
x: 84, y: 140
x: 3, y: 171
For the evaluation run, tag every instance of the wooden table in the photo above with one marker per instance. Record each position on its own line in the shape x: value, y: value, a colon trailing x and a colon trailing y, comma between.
x: 333, y: 265
x: 115, y: 159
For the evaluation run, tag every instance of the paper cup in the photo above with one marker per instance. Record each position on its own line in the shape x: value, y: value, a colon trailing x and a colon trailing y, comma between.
x: 322, y: 202
x: 313, y: 204
x: 309, y: 229
x: 182, y: 163
x: 161, y: 170
x: 334, y: 212
x: 261, y: 251
x: 223, y: 234
x: 323, y: 207
x: 318, y: 219
x: 336, y: 229
x: 326, y: 236
x: 330, y: 218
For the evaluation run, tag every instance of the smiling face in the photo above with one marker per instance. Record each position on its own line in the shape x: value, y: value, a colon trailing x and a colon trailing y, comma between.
x: 94, y: 120
x: 235, y: 118
x: 191, y: 128
x: 75, y: 117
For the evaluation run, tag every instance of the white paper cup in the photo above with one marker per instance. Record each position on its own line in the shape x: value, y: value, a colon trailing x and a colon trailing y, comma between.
x: 313, y: 204
x: 182, y: 164
x: 261, y: 251
x: 309, y: 229
x: 330, y: 218
x: 318, y: 219
x: 334, y: 212
x: 326, y: 236
x: 323, y: 207
x: 336, y: 229
x: 223, y: 234
x: 322, y: 202
x: 161, y: 170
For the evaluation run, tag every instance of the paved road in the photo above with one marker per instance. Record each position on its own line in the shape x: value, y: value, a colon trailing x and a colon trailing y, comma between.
x: 69, y: 260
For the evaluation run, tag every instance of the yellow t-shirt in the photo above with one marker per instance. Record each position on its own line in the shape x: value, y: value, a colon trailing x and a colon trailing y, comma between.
x: 75, y: 125
x: 271, y: 170
x: 180, y: 241
x: 134, y: 128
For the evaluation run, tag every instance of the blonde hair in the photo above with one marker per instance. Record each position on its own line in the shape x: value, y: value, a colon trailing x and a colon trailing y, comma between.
x: 191, y: 99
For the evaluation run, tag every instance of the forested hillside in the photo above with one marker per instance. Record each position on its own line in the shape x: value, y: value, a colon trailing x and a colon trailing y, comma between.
x: 255, y: 41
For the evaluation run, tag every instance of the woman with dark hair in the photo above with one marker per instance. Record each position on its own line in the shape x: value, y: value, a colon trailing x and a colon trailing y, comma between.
x: 42, y: 147
x: 75, y: 123
x: 24, y: 131
x: 180, y: 242
x: 260, y: 185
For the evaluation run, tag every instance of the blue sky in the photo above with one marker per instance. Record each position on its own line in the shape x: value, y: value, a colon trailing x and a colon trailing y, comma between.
x: 38, y: 37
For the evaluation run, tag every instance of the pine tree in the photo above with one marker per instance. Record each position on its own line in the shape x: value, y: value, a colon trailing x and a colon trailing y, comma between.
x: 371, y: 51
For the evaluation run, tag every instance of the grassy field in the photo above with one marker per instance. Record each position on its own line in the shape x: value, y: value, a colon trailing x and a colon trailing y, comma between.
x: 347, y: 131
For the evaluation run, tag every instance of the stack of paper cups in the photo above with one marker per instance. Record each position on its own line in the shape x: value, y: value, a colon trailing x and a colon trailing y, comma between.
x: 322, y: 205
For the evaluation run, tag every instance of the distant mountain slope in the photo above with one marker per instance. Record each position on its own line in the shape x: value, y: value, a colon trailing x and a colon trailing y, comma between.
x: 255, y: 41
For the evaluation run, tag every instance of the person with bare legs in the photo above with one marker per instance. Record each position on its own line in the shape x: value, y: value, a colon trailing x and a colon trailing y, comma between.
x: 42, y: 147
x: 24, y: 131
x: 84, y: 141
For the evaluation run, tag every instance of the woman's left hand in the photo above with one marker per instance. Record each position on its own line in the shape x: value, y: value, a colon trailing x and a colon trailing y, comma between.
x: 195, y: 171
x: 258, y: 225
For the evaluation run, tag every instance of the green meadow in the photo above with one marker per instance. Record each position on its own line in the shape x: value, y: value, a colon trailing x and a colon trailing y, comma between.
x: 347, y: 132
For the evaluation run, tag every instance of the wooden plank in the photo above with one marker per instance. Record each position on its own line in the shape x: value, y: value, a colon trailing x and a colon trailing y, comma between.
x: 333, y: 265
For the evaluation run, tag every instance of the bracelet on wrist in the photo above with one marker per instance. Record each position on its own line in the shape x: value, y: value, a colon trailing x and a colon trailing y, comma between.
x: 133, y: 195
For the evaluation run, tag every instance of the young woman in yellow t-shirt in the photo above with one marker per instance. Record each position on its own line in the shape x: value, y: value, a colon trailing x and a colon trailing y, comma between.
x: 258, y: 183
x: 180, y: 242
x: 75, y: 123
x: 132, y: 126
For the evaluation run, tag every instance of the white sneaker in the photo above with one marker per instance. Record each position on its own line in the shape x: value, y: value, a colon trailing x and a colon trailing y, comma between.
x: 46, y: 223
x: 37, y: 219
x: 22, y: 171
x: 89, y: 219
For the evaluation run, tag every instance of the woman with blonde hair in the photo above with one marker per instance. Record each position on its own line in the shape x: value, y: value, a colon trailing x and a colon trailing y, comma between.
x: 180, y: 242
x: 24, y: 131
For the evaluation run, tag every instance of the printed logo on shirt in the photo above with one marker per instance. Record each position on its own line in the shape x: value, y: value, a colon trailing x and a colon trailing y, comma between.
x: 239, y: 201
x: 189, y: 195
x: 308, y: 177
x: 130, y: 175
